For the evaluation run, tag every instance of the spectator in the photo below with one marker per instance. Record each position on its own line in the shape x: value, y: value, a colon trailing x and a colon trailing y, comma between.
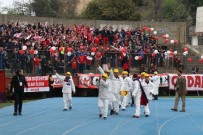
x: 81, y: 61
x: 44, y: 65
x: 37, y: 65
x: 42, y: 37
x: 51, y: 85
x: 49, y: 67
x: 195, y: 69
x: 28, y: 62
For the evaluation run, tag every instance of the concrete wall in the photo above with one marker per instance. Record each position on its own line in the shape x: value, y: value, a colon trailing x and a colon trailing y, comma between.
x: 176, y: 30
x: 199, y: 19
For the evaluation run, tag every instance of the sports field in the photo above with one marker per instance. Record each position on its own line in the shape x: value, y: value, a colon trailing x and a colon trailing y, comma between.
x: 45, y: 117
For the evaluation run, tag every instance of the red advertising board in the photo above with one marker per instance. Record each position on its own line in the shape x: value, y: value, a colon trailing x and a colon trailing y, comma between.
x: 194, y: 82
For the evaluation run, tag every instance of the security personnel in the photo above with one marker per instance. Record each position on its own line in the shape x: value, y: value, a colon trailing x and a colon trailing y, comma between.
x: 68, y: 88
x: 103, y: 98
x: 156, y: 81
x: 127, y: 87
x: 148, y: 89
x: 18, y: 83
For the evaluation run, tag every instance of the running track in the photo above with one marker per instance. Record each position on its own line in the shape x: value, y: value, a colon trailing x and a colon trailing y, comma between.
x: 45, y: 117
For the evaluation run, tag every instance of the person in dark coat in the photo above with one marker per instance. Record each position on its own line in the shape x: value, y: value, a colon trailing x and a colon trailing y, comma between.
x: 51, y: 85
x: 195, y: 69
x: 181, y: 92
x: 18, y: 83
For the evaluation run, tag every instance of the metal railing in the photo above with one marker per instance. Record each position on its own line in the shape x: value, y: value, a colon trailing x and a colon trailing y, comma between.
x: 62, y: 63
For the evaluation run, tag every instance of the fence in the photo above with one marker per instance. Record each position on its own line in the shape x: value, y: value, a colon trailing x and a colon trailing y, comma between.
x: 163, y: 62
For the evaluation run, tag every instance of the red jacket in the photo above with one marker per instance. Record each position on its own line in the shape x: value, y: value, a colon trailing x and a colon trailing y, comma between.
x: 36, y: 62
x: 74, y: 65
x: 81, y: 59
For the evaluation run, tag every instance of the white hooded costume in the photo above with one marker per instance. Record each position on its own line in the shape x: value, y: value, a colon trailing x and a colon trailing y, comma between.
x: 68, y: 87
x: 117, y: 86
x: 156, y: 81
x: 148, y: 89
x: 136, y: 93
x: 103, y: 97
x: 127, y: 86
x: 111, y: 96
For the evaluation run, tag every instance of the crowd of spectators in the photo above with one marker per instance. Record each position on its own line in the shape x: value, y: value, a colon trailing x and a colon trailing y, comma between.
x: 39, y: 48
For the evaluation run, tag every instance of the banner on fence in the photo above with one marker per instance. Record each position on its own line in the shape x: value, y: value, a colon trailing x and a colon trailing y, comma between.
x: 89, y: 80
x: 194, y: 82
x: 163, y: 80
x: 37, y: 84
x: 40, y: 83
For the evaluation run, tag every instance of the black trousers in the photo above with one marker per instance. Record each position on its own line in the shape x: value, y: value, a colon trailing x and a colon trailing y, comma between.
x: 51, y: 92
x: 18, y: 97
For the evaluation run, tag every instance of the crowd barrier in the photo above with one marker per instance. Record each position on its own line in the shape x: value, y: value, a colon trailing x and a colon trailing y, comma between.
x: 194, y: 82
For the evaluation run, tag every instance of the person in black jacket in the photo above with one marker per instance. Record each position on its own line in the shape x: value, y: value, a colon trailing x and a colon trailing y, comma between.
x: 51, y: 85
x: 17, y: 83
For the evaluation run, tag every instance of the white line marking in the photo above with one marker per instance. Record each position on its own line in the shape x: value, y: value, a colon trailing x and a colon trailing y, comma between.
x: 120, y: 125
x: 31, y: 116
x: 159, y: 131
x: 45, y: 124
x: 82, y: 124
x: 40, y: 126
x: 157, y: 114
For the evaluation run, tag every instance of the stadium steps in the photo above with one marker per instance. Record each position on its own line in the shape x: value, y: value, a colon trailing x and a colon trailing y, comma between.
x: 191, y: 54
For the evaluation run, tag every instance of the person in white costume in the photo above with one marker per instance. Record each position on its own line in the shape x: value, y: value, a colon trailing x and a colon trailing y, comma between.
x: 103, y: 85
x: 148, y: 88
x: 117, y: 86
x: 68, y: 87
x: 112, y: 99
x: 156, y: 81
x: 127, y: 87
x: 136, y: 94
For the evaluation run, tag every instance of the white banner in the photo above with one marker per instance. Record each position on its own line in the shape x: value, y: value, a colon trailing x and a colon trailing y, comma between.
x: 40, y: 84
x: 194, y: 82
x: 37, y: 84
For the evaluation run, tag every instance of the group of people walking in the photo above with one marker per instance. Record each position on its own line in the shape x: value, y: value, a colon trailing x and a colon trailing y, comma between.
x: 115, y: 91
